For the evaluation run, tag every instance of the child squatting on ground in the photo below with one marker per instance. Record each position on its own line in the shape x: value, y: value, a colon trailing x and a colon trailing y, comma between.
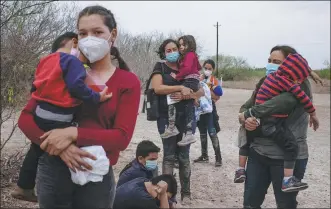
x: 189, y: 67
x: 287, y: 78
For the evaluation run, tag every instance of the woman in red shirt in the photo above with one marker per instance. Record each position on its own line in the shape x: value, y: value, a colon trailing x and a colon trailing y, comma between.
x: 109, y: 124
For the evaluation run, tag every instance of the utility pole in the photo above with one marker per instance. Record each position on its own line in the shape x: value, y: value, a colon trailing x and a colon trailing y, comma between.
x: 217, y: 25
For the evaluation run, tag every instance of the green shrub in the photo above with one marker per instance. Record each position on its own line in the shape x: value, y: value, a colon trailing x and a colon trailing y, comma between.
x: 324, y: 73
x: 238, y: 74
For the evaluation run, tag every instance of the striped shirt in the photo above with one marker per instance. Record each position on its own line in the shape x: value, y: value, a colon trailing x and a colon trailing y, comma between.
x: 293, y: 71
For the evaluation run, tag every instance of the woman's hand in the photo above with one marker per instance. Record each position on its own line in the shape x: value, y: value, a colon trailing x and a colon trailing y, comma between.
x: 55, y: 141
x: 186, y: 92
x: 251, y: 124
x: 177, y: 96
x: 72, y: 157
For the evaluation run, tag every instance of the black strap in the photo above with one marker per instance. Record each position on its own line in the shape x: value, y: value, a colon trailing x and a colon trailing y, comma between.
x: 150, y: 78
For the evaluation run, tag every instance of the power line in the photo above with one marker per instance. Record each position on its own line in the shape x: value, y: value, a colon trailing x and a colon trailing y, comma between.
x: 217, y: 25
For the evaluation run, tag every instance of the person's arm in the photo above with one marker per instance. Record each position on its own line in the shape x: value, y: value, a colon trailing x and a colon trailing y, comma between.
x: 74, y: 75
x: 214, y: 97
x: 299, y: 94
x: 281, y: 104
x: 164, y: 202
x: 27, y: 125
x: 119, y: 136
x: 198, y: 94
x: 248, y: 104
x: 186, y: 66
x: 160, y: 89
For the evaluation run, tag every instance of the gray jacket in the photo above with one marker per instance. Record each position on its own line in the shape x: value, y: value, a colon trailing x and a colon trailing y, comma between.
x: 297, y: 121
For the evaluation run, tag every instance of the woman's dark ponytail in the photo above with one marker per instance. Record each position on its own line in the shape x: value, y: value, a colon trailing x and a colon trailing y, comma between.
x: 121, y: 63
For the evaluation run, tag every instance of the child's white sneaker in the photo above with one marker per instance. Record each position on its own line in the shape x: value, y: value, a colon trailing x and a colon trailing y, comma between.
x: 187, y: 139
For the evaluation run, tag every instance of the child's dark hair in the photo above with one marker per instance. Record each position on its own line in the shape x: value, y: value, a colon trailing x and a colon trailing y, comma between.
x: 110, y: 22
x: 161, y: 51
x: 170, y: 180
x: 189, y: 41
x: 145, y: 147
x: 60, y: 41
x: 211, y: 62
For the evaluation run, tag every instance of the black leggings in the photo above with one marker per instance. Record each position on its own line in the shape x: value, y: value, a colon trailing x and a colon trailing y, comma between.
x: 28, y: 171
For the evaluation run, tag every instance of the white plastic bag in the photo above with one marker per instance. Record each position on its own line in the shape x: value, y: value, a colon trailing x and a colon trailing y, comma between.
x: 242, y: 138
x: 100, y: 167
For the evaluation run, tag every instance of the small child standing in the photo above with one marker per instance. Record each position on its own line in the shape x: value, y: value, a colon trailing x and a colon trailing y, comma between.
x: 189, y: 68
x: 60, y: 88
x: 290, y: 74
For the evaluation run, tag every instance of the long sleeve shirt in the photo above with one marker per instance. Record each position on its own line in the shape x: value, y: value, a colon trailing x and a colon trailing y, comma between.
x: 59, y: 80
x: 189, y: 67
x: 110, y: 124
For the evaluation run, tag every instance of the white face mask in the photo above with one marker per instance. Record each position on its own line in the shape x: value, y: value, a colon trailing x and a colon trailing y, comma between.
x: 207, y: 72
x: 94, y: 48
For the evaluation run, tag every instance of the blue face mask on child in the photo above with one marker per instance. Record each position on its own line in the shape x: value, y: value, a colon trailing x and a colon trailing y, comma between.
x: 151, y: 165
x: 271, y: 67
x: 172, y: 57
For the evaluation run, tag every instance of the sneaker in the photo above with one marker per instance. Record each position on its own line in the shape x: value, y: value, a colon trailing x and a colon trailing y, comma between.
x: 24, y: 194
x: 293, y: 185
x: 240, y: 176
x: 202, y: 159
x: 218, y: 162
x: 169, y: 132
x: 186, y: 200
x: 186, y: 140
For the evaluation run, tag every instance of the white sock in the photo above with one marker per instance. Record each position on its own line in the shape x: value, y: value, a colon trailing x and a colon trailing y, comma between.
x: 286, y: 178
x: 240, y: 168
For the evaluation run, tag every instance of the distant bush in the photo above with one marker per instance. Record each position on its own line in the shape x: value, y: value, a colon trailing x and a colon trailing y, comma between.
x: 239, y: 74
x: 324, y: 73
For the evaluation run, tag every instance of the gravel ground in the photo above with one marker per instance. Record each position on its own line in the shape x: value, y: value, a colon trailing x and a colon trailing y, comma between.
x: 212, y: 187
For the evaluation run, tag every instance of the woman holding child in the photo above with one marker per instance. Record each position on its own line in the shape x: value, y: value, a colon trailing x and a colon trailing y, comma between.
x: 265, y: 158
x: 164, y: 82
x: 109, y: 124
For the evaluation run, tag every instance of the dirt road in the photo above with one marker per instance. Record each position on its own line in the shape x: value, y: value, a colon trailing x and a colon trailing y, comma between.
x: 212, y: 187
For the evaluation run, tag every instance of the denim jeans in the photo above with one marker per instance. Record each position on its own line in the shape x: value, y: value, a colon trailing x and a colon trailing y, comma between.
x: 206, y: 126
x: 260, y: 172
x: 170, y: 148
x: 56, y: 190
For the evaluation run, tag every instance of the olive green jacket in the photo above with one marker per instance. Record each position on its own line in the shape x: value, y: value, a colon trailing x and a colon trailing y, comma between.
x: 297, y: 121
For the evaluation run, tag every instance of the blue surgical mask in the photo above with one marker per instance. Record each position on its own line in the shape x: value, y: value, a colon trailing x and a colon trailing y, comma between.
x: 172, y: 57
x: 271, y: 67
x: 151, y: 165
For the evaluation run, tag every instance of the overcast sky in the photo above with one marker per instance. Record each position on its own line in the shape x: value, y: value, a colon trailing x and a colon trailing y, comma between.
x: 248, y: 29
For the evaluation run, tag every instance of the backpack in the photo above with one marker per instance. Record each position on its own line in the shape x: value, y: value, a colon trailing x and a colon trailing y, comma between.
x: 151, y: 99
